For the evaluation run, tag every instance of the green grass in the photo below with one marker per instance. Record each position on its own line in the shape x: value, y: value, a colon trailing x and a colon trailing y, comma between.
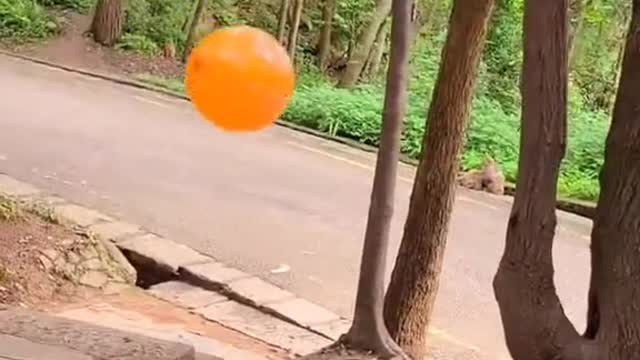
x: 357, y: 114
x: 9, y: 209
x: 168, y: 84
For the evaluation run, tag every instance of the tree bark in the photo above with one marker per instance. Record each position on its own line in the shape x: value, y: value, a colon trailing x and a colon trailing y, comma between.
x: 377, y: 52
x: 414, y: 281
x: 535, y: 325
x: 368, y: 330
x: 324, y: 42
x: 197, y: 14
x: 282, y: 20
x: 292, y: 44
x: 614, y: 315
x: 108, y: 21
x: 362, y: 48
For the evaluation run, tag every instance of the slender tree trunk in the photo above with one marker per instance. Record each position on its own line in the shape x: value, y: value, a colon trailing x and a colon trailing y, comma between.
x: 197, y: 14
x: 324, y: 43
x: 535, y: 325
x: 614, y: 316
x: 187, y: 19
x: 368, y: 331
x: 282, y: 20
x: 377, y: 52
x: 616, y: 74
x: 576, y: 17
x: 108, y: 21
x: 359, y: 56
x: 292, y: 44
x: 415, y: 278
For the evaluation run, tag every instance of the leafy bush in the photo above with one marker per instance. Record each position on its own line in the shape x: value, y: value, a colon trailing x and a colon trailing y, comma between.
x: 138, y: 43
x: 159, y: 21
x: 24, y: 19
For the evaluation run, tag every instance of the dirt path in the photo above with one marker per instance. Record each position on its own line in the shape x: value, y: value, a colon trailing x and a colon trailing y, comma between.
x: 74, y: 47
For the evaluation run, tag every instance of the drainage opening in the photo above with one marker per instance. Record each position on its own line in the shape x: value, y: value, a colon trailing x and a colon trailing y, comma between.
x: 149, y: 272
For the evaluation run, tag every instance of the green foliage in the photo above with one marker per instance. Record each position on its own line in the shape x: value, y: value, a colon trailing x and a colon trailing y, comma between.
x: 493, y: 132
x: 9, y: 210
x: 138, y: 43
x: 169, y: 84
x: 503, y: 54
x: 78, y: 5
x: 156, y: 21
x: 25, y: 20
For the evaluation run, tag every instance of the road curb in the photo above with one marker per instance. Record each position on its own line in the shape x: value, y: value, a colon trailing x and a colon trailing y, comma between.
x: 577, y: 207
x: 169, y: 261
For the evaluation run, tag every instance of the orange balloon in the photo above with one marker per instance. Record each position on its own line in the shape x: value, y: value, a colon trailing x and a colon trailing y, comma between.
x: 240, y: 78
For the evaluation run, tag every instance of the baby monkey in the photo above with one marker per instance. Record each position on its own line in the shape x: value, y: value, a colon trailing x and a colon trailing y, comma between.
x: 489, y: 178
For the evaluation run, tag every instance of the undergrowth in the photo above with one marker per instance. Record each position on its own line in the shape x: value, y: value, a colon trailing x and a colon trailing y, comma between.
x: 25, y: 20
x: 9, y: 209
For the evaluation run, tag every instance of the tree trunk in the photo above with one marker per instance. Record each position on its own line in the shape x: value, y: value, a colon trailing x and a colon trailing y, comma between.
x: 368, y: 331
x: 293, y: 33
x: 535, y: 325
x: 362, y: 48
x: 108, y: 21
x: 377, y: 52
x: 614, y: 315
x: 197, y: 14
x: 414, y: 282
x: 324, y: 43
x: 282, y: 20
x: 575, y: 19
x: 616, y: 75
x: 577, y: 10
x: 187, y: 19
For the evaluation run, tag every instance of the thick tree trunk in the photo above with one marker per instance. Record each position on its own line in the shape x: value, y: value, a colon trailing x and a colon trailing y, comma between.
x: 197, y: 14
x: 108, y: 21
x: 414, y: 282
x: 614, y: 314
x: 292, y: 44
x: 282, y: 20
x: 535, y: 325
x: 377, y: 52
x: 363, y: 45
x: 324, y: 42
x: 368, y: 331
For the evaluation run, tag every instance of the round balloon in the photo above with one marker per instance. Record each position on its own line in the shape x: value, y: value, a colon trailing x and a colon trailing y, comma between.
x: 240, y: 78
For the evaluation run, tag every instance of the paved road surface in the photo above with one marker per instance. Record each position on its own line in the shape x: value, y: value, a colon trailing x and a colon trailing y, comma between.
x: 253, y: 201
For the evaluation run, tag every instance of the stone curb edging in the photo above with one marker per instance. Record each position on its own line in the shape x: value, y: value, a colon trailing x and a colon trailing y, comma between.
x: 176, y: 261
x: 578, y: 207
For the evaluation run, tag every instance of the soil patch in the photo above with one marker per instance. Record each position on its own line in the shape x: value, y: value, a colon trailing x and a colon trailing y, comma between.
x: 27, y: 278
x: 74, y: 47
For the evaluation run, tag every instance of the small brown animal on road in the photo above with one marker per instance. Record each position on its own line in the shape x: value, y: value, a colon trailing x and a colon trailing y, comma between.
x: 489, y: 178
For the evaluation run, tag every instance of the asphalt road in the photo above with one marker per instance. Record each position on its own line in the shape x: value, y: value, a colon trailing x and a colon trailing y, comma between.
x: 273, y: 200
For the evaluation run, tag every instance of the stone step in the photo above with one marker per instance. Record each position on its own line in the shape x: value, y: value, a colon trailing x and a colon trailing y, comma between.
x: 31, y: 335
